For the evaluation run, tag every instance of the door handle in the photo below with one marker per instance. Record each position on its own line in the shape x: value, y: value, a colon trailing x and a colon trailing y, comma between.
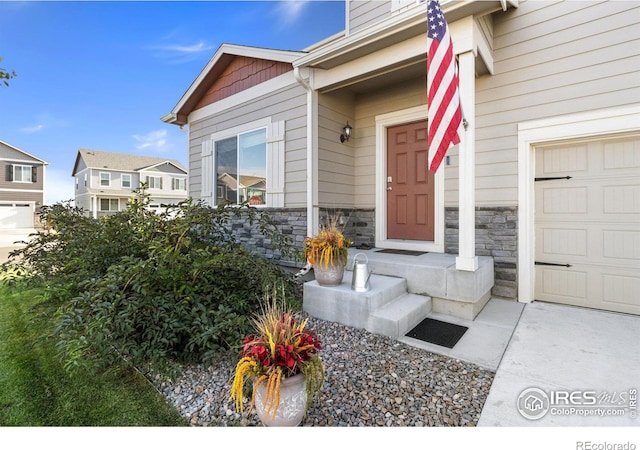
x: 389, y: 188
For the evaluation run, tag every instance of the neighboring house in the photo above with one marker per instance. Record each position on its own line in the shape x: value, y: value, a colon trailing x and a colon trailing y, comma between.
x: 105, y: 181
x: 21, y: 188
x: 550, y: 90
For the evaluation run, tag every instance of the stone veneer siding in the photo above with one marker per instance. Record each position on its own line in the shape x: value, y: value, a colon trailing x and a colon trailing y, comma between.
x: 496, y: 236
x: 359, y: 226
x: 289, y: 221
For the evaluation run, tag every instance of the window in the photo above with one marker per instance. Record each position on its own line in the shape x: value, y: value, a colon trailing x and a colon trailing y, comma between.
x: 23, y: 174
x: 109, y: 204
x: 241, y: 168
x: 179, y: 184
x: 126, y: 180
x: 105, y: 179
x: 154, y: 182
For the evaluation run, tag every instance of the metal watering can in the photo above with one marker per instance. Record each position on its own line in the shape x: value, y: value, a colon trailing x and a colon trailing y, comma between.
x: 361, y: 274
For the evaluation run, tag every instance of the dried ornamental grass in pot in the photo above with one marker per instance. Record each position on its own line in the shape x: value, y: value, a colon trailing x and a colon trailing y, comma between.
x: 281, y: 359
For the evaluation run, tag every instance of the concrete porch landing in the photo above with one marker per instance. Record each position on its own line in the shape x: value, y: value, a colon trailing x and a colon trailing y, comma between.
x: 405, y: 289
x: 453, y: 292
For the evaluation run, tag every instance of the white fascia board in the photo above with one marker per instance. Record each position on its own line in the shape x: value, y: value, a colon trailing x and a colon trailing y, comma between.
x: 22, y: 151
x: 159, y: 164
x: 371, y: 63
x: 236, y: 50
x: 416, y: 15
x: 274, y: 84
x: 393, y: 56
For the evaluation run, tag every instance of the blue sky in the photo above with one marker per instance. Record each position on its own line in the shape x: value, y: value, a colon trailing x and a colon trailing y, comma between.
x: 101, y: 74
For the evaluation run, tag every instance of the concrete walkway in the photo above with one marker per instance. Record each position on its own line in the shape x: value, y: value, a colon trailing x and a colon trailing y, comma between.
x: 9, y: 241
x: 486, y: 340
x: 574, y: 363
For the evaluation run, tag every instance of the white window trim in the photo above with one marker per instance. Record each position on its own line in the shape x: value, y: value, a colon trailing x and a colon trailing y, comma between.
x: 100, y: 179
x: 384, y: 121
x: 122, y: 181
x: 264, y: 123
x: 30, y: 171
x: 108, y: 210
x: 177, y: 181
x: 150, y: 177
x: 531, y: 134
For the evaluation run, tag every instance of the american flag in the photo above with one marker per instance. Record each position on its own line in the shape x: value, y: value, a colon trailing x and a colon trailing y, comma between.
x: 445, y: 113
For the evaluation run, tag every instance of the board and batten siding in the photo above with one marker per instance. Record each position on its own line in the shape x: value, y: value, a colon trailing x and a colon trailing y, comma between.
x: 550, y: 59
x: 288, y: 105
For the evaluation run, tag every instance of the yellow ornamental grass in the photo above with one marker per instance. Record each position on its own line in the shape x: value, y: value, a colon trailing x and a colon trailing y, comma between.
x: 328, y: 247
x: 281, y: 347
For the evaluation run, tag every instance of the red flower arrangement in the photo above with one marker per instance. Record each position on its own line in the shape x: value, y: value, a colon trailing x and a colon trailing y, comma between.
x: 281, y: 347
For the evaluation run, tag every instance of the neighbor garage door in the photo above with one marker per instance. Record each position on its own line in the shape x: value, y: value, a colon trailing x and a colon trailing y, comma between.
x: 16, y: 215
x: 588, y: 226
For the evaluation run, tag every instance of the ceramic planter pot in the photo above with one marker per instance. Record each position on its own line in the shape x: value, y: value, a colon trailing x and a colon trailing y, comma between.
x: 293, y: 402
x: 329, y: 276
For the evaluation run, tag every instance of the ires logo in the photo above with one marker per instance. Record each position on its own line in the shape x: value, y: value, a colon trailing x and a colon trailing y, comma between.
x: 534, y: 403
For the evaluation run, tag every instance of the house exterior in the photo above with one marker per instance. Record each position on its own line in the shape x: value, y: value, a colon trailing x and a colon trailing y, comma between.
x: 545, y: 181
x: 105, y: 181
x: 22, y: 187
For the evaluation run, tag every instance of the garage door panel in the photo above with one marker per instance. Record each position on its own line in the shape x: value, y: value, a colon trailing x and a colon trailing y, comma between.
x: 565, y: 160
x: 556, y: 242
x: 621, y: 199
x: 15, y: 216
x: 621, y: 246
x: 621, y: 292
x: 555, y: 283
x: 589, y: 222
x: 621, y: 155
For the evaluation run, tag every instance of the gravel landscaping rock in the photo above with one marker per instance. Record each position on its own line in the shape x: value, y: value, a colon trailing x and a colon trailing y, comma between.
x: 370, y: 380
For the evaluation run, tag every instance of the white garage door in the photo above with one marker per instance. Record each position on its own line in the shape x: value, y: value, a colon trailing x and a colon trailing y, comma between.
x: 16, y: 215
x: 588, y: 226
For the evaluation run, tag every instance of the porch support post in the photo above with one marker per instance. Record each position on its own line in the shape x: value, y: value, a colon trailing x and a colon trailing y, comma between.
x: 467, y: 259
x: 94, y: 201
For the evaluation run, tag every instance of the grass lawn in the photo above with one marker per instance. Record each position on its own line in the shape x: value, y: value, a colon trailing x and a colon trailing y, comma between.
x: 37, y: 391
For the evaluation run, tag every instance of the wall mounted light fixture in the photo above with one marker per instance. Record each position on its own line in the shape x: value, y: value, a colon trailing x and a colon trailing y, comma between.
x: 347, y: 133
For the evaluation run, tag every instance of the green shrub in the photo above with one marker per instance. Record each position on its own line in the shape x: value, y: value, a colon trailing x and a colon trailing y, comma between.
x: 142, y: 287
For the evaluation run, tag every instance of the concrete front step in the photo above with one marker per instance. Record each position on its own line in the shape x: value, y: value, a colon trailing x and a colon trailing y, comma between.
x: 398, y: 317
x: 386, y: 309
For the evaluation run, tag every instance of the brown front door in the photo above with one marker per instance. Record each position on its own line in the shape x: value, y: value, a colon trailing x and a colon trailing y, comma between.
x: 410, y: 190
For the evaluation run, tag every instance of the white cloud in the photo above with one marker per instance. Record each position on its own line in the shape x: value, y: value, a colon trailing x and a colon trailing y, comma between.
x: 33, y: 129
x: 176, y: 53
x: 289, y: 11
x: 154, y: 140
x: 195, y: 48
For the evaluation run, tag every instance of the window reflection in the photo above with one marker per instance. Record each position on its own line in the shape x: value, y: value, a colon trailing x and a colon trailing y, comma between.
x: 241, y: 166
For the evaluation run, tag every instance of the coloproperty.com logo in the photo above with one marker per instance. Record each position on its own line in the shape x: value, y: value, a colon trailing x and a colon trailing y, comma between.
x: 534, y: 403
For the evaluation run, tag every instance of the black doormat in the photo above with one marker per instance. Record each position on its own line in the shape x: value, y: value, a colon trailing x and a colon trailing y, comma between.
x: 438, y: 332
x: 401, y: 252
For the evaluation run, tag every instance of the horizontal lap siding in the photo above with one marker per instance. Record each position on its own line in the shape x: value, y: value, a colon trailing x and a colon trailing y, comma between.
x: 393, y: 98
x: 6, y: 184
x: 335, y: 159
x: 550, y: 59
x: 288, y: 104
x: 365, y: 13
x: 21, y: 197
